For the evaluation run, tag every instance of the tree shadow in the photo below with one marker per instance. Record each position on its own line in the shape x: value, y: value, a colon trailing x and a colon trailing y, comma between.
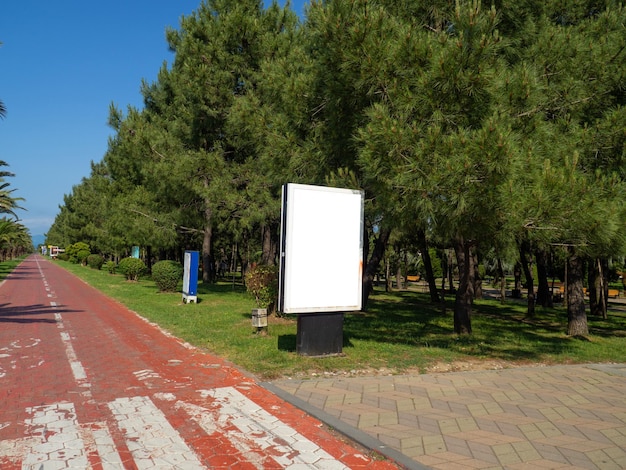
x: 500, y: 331
x: 30, y: 313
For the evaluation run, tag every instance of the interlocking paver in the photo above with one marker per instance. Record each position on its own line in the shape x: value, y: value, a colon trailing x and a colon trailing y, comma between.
x: 534, y: 417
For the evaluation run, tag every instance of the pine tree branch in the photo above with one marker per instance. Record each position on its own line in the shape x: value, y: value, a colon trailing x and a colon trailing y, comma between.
x: 177, y: 227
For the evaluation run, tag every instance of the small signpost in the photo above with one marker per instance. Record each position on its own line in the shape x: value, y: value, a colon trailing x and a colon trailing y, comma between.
x: 321, y: 265
x: 190, y: 277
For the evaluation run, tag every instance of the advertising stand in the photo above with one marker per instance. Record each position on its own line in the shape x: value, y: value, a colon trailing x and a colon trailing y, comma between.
x: 321, y: 263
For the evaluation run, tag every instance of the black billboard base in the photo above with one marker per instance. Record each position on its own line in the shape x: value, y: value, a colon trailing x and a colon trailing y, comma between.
x: 320, y: 334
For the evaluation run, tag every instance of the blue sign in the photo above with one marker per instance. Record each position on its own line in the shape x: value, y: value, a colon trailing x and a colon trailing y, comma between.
x: 190, y: 277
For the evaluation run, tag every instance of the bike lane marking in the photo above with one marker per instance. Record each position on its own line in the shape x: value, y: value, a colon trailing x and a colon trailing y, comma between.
x: 138, y: 426
x: 151, y: 439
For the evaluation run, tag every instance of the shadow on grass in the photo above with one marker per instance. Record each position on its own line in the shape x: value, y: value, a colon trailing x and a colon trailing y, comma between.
x: 287, y: 343
x: 499, y: 330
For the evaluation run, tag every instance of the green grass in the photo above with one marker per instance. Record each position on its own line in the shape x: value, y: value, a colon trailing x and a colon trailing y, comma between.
x: 400, y: 331
x: 7, y: 266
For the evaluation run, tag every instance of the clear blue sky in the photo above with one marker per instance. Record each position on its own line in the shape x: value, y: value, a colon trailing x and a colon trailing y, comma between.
x: 62, y: 64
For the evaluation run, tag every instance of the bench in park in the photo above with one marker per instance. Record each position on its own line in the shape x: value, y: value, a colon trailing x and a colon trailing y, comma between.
x: 558, y: 291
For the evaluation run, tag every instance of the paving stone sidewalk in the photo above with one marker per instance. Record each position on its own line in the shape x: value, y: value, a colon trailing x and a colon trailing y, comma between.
x: 557, y: 417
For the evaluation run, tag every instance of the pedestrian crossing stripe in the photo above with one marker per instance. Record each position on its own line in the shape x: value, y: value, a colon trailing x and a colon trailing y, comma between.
x: 55, y: 439
x: 151, y: 439
x: 289, y: 448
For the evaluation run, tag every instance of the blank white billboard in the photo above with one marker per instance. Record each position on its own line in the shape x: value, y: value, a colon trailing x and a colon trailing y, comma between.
x: 321, y: 267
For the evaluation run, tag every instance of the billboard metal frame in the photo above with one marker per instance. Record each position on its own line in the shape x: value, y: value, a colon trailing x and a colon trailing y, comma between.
x: 321, y: 249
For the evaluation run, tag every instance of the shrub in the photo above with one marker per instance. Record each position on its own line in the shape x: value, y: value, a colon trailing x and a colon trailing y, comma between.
x: 262, y: 284
x: 63, y: 256
x: 166, y: 274
x: 95, y: 261
x: 132, y: 268
x: 110, y: 266
x: 82, y: 256
x: 78, y: 252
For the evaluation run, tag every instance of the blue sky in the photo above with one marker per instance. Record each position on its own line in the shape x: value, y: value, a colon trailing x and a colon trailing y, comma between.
x: 62, y: 64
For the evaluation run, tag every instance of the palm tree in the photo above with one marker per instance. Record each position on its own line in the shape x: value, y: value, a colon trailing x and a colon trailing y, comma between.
x: 15, y: 239
x: 8, y: 204
x: 3, y: 110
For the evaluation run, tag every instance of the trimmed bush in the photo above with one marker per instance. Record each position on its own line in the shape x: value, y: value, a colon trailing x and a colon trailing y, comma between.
x: 110, y: 266
x: 95, y: 262
x: 262, y: 284
x: 78, y: 252
x: 82, y: 256
x: 132, y: 268
x: 167, y: 274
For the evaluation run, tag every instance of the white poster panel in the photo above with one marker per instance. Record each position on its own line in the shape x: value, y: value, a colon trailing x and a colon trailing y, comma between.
x: 321, y: 249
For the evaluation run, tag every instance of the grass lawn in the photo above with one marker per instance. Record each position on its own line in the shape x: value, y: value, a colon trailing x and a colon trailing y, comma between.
x: 7, y: 266
x: 401, y: 331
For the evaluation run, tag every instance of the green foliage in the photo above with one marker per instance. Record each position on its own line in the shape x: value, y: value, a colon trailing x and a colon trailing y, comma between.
x: 167, y: 274
x: 82, y: 256
x: 110, y: 267
x: 78, y: 252
x: 63, y: 257
x: 132, y: 268
x: 95, y: 261
x: 262, y: 284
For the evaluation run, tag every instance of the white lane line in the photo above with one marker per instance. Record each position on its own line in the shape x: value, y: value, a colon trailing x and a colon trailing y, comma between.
x: 259, y: 428
x: 56, y: 438
x: 80, y: 376
x: 151, y: 439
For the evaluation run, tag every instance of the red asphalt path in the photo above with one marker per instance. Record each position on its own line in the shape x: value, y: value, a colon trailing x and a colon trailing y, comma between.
x: 85, y: 383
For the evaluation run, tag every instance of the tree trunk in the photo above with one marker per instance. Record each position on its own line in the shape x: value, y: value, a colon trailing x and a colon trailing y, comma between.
x: 207, y: 259
x: 502, y: 281
x: 598, y: 292
x: 449, y: 271
x: 478, y: 282
x: 544, y: 298
x: 465, y: 293
x: 372, y: 265
x: 428, y: 267
x: 576, y: 315
x: 270, y: 245
x: 524, y: 252
x: 399, y: 285
x: 517, y: 276
x: 388, y: 286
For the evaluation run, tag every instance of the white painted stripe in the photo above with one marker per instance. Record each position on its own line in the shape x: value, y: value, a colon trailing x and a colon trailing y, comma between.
x: 151, y: 439
x: 259, y: 428
x: 205, y: 419
x: 109, y: 457
x: 78, y: 371
x: 77, y: 368
x: 56, y: 438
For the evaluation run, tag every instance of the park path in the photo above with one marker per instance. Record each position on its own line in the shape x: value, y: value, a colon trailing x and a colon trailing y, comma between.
x: 85, y: 383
